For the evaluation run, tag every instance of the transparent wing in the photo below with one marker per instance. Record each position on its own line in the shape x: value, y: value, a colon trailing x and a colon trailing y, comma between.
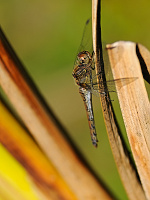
x: 120, y: 82
x: 91, y: 80
x: 86, y: 42
x: 94, y: 88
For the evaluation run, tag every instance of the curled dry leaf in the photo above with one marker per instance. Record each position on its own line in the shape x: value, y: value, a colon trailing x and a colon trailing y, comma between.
x: 134, y: 103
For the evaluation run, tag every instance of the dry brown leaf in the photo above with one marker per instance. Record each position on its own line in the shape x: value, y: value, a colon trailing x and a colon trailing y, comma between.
x: 44, y: 127
x: 135, y: 105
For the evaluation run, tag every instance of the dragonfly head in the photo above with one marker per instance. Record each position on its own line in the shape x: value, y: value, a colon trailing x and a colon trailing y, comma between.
x: 84, y: 57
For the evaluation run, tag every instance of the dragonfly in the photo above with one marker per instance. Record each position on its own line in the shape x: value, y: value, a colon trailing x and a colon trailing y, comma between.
x: 85, y: 77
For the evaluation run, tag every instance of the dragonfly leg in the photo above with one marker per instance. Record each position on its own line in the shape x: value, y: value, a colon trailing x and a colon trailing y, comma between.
x: 105, y: 94
x: 92, y: 61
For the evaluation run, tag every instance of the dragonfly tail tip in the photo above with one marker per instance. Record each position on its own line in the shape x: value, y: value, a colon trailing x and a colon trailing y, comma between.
x: 95, y: 143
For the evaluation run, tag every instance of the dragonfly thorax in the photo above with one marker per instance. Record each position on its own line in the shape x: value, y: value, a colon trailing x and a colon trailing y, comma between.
x: 80, y: 74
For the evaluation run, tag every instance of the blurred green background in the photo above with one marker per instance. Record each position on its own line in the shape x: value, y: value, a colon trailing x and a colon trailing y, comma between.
x: 46, y: 35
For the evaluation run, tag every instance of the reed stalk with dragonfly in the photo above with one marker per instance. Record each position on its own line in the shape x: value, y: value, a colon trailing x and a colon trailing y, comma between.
x: 53, y: 166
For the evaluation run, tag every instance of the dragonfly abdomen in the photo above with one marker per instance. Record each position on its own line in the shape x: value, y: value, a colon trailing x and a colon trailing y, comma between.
x: 86, y: 96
